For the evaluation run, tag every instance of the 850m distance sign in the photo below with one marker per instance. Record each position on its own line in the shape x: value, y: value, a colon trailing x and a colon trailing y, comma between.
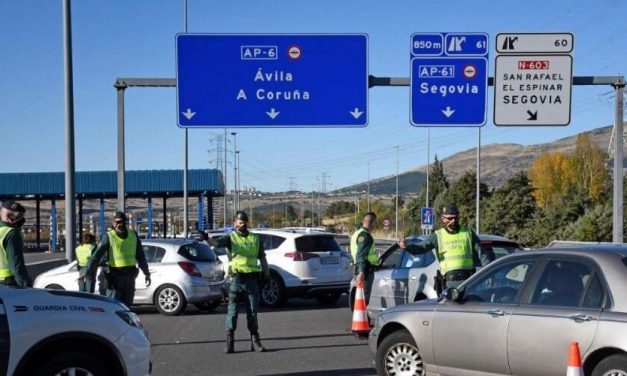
x: 272, y: 80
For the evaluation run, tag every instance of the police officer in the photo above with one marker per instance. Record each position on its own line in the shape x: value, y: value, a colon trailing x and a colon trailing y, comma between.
x: 123, y: 250
x: 364, y: 253
x: 83, y: 255
x: 12, y: 268
x: 457, y: 248
x: 244, y: 249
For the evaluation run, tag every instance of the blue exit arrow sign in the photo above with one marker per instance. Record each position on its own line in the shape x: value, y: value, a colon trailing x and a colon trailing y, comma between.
x: 449, y: 79
x: 272, y: 80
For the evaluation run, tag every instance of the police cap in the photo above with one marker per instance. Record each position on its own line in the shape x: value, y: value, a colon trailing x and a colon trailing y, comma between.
x: 450, y: 209
x: 13, y: 205
x: 119, y: 216
x: 241, y: 215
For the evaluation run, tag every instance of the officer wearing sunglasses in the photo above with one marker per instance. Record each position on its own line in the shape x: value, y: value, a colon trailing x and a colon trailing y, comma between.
x: 457, y: 248
x: 12, y: 268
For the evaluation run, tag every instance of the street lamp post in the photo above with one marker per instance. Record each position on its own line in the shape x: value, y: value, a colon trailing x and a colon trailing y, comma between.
x: 368, y: 193
x: 396, y: 220
x: 235, y: 195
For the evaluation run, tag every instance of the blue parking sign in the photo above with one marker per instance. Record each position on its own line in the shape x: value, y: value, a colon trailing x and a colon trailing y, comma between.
x: 426, y: 218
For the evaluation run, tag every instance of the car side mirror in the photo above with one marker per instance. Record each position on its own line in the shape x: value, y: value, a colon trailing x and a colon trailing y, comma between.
x: 452, y: 294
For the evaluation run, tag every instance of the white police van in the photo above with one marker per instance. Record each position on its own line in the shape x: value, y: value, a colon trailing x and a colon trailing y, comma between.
x: 48, y: 332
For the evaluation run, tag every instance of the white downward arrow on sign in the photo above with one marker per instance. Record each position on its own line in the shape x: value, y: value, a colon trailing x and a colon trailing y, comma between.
x: 189, y: 114
x: 448, y: 111
x: 273, y: 113
x: 356, y: 113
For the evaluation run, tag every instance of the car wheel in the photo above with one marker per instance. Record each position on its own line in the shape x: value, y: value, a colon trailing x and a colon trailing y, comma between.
x: 71, y: 363
x: 169, y: 300
x: 613, y: 365
x: 55, y: 287
x: 273, y: 291
x: 398, y: 354
x: 208, y: 305
x: 329, y: 298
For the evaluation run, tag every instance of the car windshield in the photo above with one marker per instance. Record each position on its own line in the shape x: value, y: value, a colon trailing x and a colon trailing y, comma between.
x: 197, y: 252
x: 317, y: 244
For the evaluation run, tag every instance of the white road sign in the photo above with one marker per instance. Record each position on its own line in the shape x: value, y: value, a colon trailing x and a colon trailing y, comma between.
x: 561, y: 43
x: 532, y: 90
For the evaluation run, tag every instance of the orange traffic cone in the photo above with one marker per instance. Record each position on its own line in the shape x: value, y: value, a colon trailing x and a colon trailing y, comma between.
x: 574, y: 361
x: 360, y: 326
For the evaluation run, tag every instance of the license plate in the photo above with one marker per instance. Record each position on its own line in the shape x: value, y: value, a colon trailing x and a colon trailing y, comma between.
x: 330, y: 260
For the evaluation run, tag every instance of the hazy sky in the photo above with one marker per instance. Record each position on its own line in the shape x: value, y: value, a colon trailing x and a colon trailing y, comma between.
x: 132, y: 38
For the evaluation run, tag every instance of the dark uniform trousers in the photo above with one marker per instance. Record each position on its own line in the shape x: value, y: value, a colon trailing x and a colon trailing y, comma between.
x: 8, y: 281
x: 244, y: 289
x: 121, y: 284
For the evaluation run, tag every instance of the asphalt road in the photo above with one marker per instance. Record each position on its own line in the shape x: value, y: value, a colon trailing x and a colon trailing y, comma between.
x: 302, y: 339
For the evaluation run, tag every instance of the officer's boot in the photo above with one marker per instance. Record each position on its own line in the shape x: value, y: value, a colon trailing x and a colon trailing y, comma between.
x: 228, y: 348
x: 255, y: 344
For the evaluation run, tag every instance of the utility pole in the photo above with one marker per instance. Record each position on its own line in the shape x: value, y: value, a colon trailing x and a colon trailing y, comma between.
x: 235, y: 198
x: 396, y: 221
x: 368, y: 191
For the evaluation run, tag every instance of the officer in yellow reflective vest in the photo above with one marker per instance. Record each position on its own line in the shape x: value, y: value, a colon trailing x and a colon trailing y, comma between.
x: 12, y: 268
x: 83, y: 255
x: 457, y: 248
x: 123, y: 250
x: 247, y: 260
x: 364, y: 253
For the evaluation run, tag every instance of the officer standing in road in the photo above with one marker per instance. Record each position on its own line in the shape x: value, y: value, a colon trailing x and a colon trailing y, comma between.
x: 457, y: 248
x: 244, y: 249
x: 83, y: 255
x: 364, y: 253
x: 12, y: 267
x: 123, y: 250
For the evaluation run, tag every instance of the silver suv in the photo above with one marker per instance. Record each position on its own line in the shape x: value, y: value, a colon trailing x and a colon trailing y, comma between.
x: 304, y: 265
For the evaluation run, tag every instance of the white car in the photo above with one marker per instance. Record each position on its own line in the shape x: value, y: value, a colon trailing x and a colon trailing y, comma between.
x: 47, y: 332
x: 182, y: 271
x: 302, y: 264
x: 401, y: 277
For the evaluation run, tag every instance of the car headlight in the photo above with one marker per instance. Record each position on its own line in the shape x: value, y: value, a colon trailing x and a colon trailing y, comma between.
x: 130, y: 318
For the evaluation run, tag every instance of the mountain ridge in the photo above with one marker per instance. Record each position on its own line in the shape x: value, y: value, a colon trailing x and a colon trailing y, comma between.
x: 499, y: 162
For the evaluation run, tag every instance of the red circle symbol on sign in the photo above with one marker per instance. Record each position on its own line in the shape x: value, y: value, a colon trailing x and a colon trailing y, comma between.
x: 470, y: 71
x: 294, y: 52
x: 386, y: 222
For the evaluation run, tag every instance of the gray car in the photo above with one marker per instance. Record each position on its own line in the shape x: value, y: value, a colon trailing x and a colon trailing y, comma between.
x: 401, y: 277
x: 182, y: 272
x: 517, y: 316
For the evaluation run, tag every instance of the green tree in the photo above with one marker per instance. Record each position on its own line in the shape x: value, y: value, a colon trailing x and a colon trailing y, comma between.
x: 463, y: 193
x: 510, y: 208
x: 340, y: 207
x: 438, y: 183
x: 594, y: 225
x: 438, y: 186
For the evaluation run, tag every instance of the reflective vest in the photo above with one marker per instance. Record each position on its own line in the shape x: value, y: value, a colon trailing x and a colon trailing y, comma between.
x: 83, y: 254
x: 122, y: 251
x: 372, y: 252
x: 244, y: 253
x: 455, y: 250
x: 5, y: 271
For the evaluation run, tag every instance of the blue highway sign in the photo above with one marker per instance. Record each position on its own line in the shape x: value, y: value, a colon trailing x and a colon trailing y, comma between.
x: 272, y: 80
x: 426, y: 218
x: 449, y: 89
